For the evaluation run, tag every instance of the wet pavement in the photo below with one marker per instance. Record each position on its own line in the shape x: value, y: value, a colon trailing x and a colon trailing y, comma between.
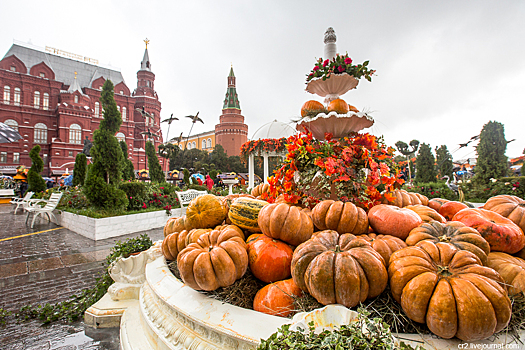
x: 47, y: 264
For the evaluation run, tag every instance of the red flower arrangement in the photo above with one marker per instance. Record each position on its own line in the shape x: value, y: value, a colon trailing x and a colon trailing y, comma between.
x: 338, y: 65
x: 263, y: 145
x: 353, y: 169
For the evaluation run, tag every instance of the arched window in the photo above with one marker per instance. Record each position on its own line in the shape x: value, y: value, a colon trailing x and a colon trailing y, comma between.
x: 17, y: 97
x: 75, y: 99
x: 7, y: 94
x: 12, y: 124
x: 152, y: 120
x: 75, y: 134
x: 45, y: 102
x: 193, y: 144
x: 203, y: 144
x: 36, y: 100
x: 124, y: 113
x: 209, y: 143
x: 97, y: 109
x: 40, y: 133
x: 120, y: 136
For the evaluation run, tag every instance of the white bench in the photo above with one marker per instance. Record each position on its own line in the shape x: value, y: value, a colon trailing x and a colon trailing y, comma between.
x: 185, y: 197
x: 6, y: 195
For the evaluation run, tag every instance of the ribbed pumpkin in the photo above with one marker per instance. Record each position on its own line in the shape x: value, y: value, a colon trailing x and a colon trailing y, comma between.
x: 269, y: 258
x: 403, y: 198
x: 338, y: 106
x: 260, y: 189
x: 277, y: 298
x: 311, y: 108
x: 426, y: 214
x: 287, y: 223
x: 218, y: 259
x: 449, y: 290
x: 385, y: 245
x: 244, y: 212
x: 436, y: 203
x: 187, y: 237
x: 169, y: 246
x: 502, y: 234
x: 449, y: 209
x: 511, y: 207
x: 454, y: 232
x: 227, y: 200
x: 231, y: 227
x: 205, y: 211
x: 511, y: 269
x: 174, y: 225
x: 391, y: 220
x: 339, y: 269
x: 340, y: 217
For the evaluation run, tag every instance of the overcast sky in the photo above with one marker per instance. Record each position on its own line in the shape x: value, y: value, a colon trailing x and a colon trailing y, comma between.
x: 444, y: 68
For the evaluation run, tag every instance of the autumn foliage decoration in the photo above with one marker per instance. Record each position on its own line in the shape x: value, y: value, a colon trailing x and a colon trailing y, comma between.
x: 263, y: 145
x: 354, y: 169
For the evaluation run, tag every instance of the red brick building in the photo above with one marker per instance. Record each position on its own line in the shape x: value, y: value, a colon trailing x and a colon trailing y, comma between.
x: 231, y: 132
x: 52, y: 98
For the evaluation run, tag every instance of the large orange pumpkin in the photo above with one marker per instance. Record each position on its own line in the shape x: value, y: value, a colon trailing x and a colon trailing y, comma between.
x: 277, y: 298
x: 391, y: 220
x: 453, y: 232
x: 340, y: 217
x: 269, y: 258
x: 511, y: 207
x: 449, y: 209
x: 449, y: 290
x: 385, y: 245
x: 260, y: 189
x: 218, y: 259
x: 502, y: 234
x: 403, y: 198
x: 338, y: 106
x: 186, y: 237
x: 205, y: 212
x: 511, y: 269
x: 311, y: 108
x: 426, y: 214
x: 287, y: 223
x: 174, y: 225
x: 339, y: 269
x: 169, y: 246
x: 436, y: 203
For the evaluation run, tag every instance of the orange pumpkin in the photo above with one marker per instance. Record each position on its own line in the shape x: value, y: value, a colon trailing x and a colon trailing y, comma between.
x: 449, y: 290
x: 436, y: 203
x: 277, y: 298
x: 287, y: 223
x: 340, y: 217
x: 169, y: 246
x: 218, y: 259
x: 426, y: 214
x: 338, y: 106
x: 339, y: 269
x: 311, y: 108
x: 449, y: 209
x: 385, y: 245
x: 260, y: 189
x: 392, y: 220
x: 231, y: 227
x: 511, y: 207
x: 352, y: 109
x: 174, y: 225
x: 269, y: 259
x: 453, y: 232
x: 502, y: 234
x: 190, y: 236
x: 403, y: 198
x: 205, y: 212
x: 511, y: 269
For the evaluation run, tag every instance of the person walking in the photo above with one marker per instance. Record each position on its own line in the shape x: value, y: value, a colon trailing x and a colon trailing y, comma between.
x: 209, y: 182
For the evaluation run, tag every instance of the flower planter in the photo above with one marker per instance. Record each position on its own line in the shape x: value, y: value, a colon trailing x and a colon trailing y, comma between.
x: 339, y: 125
x: 333, y: 87
x: 97, y: 229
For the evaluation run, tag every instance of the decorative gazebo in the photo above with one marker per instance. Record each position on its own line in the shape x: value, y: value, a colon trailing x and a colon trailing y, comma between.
x: 267, y: 141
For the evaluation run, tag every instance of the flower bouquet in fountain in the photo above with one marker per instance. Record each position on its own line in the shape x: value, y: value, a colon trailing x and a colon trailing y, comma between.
x: 356, y: 169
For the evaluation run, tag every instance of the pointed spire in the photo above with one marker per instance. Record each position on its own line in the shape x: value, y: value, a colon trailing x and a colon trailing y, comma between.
x: 75, y: 86
x: 145, y: 64
x: 231, y: 100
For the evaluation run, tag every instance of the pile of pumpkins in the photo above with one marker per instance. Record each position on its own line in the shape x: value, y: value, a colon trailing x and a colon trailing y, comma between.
x: 448, y: 265
x: 339, y: 106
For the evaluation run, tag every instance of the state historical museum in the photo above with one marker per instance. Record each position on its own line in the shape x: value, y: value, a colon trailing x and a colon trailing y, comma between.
x: 51, y: 98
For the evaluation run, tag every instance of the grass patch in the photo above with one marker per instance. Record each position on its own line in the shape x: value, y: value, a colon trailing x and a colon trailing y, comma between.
x: 101, y: 213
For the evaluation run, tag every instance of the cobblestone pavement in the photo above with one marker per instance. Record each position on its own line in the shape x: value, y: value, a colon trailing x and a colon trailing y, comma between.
x: 47, y: 265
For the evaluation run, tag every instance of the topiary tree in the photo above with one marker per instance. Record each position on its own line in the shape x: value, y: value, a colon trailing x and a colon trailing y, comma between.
x: 79, y: 172
x: 402, y: 147
x: 105, y: 173
x: 492, y: 162
x: 186, y: 173
x: 128, y: 170
x: 425, y: 165
x: 155, y: 170
x: 34, y: 179
x: 444, y: 161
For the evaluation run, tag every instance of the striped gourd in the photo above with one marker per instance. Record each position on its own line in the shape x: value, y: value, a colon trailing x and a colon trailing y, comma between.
x: 244, y: 212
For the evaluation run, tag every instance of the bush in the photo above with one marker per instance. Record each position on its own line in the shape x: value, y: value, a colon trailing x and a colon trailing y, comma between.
x: 136, y: 194
x: 433, y: 190
x: 197, y: 187
x: 34, y: 179
x: 155, y: 170
x: 477, y: 192
x: 79, y: 172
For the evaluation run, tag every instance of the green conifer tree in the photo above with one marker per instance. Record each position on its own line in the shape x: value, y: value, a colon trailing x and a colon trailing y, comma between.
x: 34, y: 179
x: 425, y: 164
x: 492, y: 162
x: 105, y: 174
x: 79, y: 172
x: 186, y: 173
x: 128, y: 172
x: 155, y: 170
x: 444, y: 161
